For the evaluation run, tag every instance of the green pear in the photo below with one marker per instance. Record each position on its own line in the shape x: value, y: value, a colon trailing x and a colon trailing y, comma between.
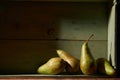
x: 72, y: 63
x: 104, y: 67
x: 87, y: 62
x: 53, y: 66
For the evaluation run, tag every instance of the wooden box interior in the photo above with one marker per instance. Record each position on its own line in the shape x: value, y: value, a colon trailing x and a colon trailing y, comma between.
x: 31, y: 31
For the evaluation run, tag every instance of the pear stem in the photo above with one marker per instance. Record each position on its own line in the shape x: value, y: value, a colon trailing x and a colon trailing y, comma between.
x: 89, y: 38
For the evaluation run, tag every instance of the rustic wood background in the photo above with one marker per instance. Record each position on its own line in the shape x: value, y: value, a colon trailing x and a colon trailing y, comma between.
x: 30, y: 32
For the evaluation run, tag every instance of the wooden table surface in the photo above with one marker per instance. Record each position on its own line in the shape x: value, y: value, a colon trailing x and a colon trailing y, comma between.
x: 55, y: 77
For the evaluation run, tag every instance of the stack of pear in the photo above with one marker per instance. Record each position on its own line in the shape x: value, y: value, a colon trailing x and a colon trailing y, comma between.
x: 87, y: 61
x: 54, y: 65
x: 104, y: 67
x: 72, y: 63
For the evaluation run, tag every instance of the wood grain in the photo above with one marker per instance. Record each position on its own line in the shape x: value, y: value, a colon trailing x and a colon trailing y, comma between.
x: 40, y: 20
x: 25, y: 56
x: 30, y: 32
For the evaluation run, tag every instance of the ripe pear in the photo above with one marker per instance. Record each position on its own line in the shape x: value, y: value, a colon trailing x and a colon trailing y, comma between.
x: 72, y: 63
x: 87, y: 62
x: 53, y: 66
x: 104, y: 67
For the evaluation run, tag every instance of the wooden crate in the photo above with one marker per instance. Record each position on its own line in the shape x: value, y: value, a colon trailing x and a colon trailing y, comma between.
x: 31, y: 31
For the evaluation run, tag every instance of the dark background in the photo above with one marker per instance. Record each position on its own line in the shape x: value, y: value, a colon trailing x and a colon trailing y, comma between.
x: 118, y: 37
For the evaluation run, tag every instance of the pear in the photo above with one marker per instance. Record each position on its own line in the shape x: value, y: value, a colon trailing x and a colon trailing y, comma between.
x: 72, y: 63
x: 87, y: 61
x: 104, y: 67
x: 53, y: 66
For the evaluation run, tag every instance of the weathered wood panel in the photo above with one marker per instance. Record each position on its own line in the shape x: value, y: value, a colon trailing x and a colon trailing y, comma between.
x: 39, y: 20
x: 30, y: 32
x: 24, y: 56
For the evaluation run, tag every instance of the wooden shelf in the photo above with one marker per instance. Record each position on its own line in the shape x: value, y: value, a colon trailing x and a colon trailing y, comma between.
x: 56, y: 77
x: 65, y: 0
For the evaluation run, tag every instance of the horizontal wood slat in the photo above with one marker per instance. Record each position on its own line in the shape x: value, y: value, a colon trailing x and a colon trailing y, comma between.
x: 56, y: 77
x: 24, y: 56
x: 53, y: 20
x: 65, y: 0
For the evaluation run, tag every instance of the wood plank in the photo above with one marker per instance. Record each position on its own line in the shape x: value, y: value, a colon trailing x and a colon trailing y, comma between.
x: 65, y: 0
x: 24, y: 56
x: 43, y: 78
x: 56, y: 77
x: 40, y: 20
